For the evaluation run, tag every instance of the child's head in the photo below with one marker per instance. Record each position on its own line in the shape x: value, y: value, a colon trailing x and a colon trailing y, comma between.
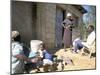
x: 42, y: 46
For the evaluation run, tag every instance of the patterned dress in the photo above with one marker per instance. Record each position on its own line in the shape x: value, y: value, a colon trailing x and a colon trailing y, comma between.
x: 17, y: 65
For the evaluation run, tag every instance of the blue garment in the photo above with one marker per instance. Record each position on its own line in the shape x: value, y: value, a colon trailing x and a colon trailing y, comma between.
x: 78, y: 45
x: 26, y: 50
x: 47, y: 55
x: 33, y: 54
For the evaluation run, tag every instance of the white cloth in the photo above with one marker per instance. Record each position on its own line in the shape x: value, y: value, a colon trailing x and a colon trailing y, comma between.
x: 69, y: 14
x: 17, y: 65
x: 91, y: 38
x: 47, y: 61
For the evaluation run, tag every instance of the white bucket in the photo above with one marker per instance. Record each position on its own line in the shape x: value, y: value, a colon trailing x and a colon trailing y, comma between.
x: 35, y: 45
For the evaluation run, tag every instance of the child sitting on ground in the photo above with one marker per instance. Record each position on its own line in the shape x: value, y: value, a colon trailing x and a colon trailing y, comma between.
x: 47, y: 58
x: 45, y: 55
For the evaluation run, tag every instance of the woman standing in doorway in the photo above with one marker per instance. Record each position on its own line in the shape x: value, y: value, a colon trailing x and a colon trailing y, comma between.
x: 68, y: 25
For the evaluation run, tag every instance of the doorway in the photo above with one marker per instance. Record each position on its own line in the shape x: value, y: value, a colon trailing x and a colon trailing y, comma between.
x: 60, y: 16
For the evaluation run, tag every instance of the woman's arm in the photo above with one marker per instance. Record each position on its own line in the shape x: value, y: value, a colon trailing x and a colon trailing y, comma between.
x: 22, y: 57
x: 63, y: 24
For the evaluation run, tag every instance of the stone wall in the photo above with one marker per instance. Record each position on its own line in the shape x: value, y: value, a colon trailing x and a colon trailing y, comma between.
x: 24, y: 20
x: 46, y: 23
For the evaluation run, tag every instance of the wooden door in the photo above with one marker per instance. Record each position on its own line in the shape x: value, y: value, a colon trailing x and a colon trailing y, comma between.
x: 59, y: 28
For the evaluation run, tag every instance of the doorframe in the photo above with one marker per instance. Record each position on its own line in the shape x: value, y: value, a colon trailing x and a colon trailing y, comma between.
x: 64, y: 16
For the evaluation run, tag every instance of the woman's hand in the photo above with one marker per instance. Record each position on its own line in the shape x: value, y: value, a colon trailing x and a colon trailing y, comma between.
x: 68, y: 26
x: 34, y: 60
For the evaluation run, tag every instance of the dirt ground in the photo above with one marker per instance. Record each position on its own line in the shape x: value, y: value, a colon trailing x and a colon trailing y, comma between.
x: 80, y: 62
